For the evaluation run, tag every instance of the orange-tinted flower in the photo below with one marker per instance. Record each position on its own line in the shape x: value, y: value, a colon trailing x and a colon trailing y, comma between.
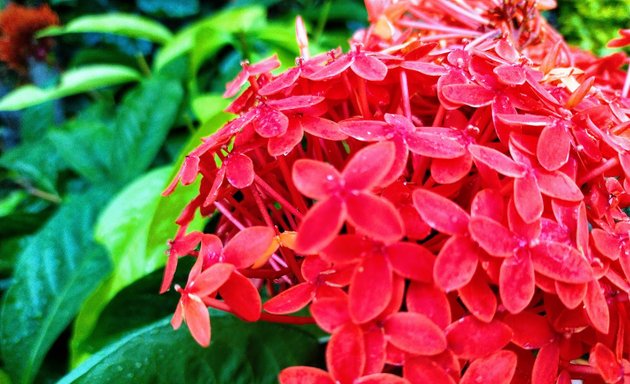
x: 18, y: 25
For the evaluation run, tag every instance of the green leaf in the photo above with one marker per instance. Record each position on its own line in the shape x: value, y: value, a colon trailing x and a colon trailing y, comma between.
x: 142, y: 124
x: 135, y: 306
x: 34, y: 163
x: 208, y: 42
x: 207, y: 106
x: 168, y: 8
x: 239, y: 353
x: 127, y: 145
x: 228, y: 21
x: 74, y: 81
x: 163, y: 225
x: 122, y: 24
x: 56, y: 271
x: 123, y: 229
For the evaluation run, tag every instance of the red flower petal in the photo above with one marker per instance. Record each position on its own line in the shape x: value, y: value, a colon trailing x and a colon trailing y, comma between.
x: 415, y: 333
x: 571, y: 295
x: 430, y: 301
x: 320, y: 225
x: 366, y: 130
x: 561, y: 262
x: 558, y: 185
x: 510, y: 74
x: 198, y: 320
x: 375, y: 345
x: 527, y: 198
x: 315, y: 179
x: 242, y: 297
x: 606, y: 243
x: 283, y: 81
x: 493, y: 237
x: 479, y: 298
x: 347, y: 249
x: 411, y: 261
x: 435, y: 144
x: 293, y: 103
x: 324, y: 128
x: 597, y: 307
x: 330, y: 312
x: 526, y: 119
x: 234, y: 86
x: 282, y: 145
x: 270, y: 122
x: 440, y: 213
x: 291, y: 300
x: 488, y: 203
x: 553, y: 147
x: 375, y: 217
x: 381, y: 378
x: 239, y: 170
x: 497, y: 368
x: 370, y: 289
x: 369, y: 68
x: 470, y: 338
x: 420, y: 370
x: 368, y: 166
x: 333, y: 69
x: 425, y: 68
x: 304, y: 375
x: 517, y: 282
x: 605, y: 361
x: 345, y: 354
x: 456, y: 263
x: 211, y: 279
x: 448, y: 171
x: 180, y: 246
x: 546, y: 365
x: 496, y: 160
x: 265, y: 65
x: 248, y: 245
x: 468, y: 94
x: 530, y: 331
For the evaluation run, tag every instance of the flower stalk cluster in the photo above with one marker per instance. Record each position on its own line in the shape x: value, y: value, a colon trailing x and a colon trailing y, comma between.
x: 449, y: 200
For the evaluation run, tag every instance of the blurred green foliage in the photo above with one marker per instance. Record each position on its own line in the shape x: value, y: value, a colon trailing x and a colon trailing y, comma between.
x: 591, y: 24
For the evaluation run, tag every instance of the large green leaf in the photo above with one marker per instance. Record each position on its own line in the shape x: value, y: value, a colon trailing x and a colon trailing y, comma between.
x: 74, y: 81
x: 123, y: 229
x: 239, y: 353
x: 226, y: 22
x: 56, y: 271
x: 122, y: 24
x: 127, y: 145
x: 163, y: 225
x: 35, y: 163
x: 142, y: 124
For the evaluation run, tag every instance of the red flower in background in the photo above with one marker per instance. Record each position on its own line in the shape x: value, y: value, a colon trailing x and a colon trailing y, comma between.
x: 18, y: 25
x: 448, y: 200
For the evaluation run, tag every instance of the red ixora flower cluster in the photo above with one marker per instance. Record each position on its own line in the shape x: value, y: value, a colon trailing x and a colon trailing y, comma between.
x: 18, y: 25
x: 449, y: 200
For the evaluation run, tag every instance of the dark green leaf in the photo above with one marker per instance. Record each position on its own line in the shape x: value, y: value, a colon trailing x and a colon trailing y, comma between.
x: 135, y: 306
x: 126, y: 146
x: 239, y: 353
x: 34, y: 163
x: 122, y: 24
x: 143, y: 121
x: 56, y: 271
x: 168, y: 8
